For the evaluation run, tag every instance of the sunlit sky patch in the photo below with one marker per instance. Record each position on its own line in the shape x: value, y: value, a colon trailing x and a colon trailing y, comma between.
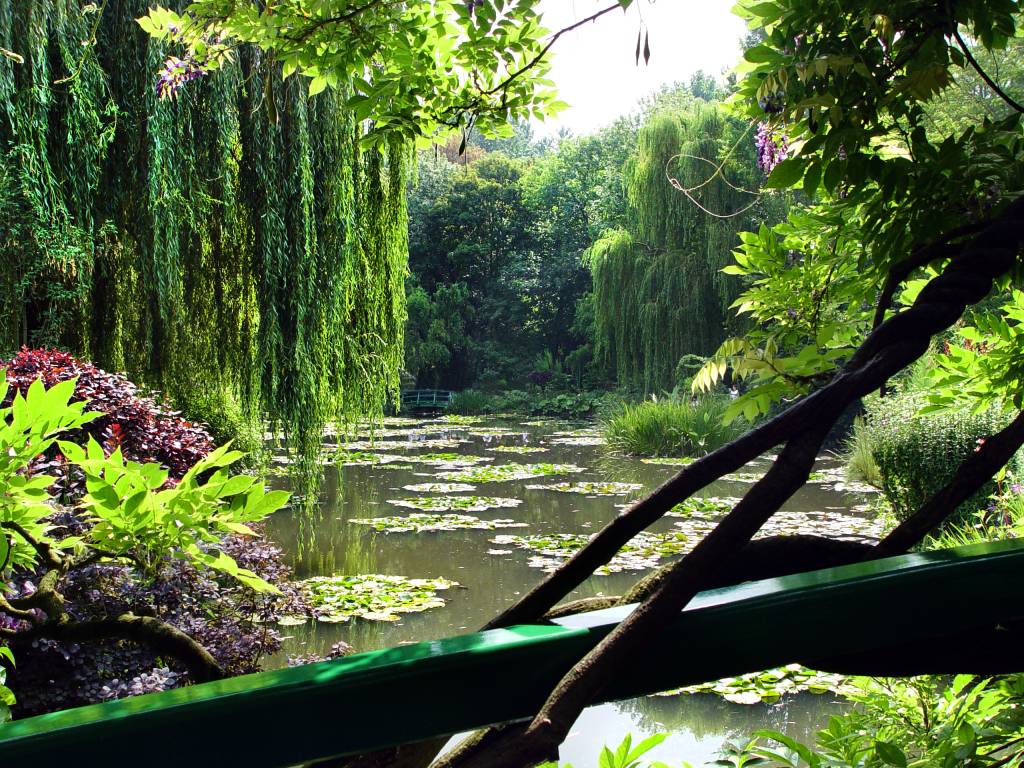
x: 595, y: 67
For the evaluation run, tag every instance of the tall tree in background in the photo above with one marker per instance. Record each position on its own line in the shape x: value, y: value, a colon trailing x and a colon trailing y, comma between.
x: 659, y: 293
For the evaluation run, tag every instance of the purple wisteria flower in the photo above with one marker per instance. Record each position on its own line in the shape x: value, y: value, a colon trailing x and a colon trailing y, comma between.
x: 772, y: 147
x: 175, y: 73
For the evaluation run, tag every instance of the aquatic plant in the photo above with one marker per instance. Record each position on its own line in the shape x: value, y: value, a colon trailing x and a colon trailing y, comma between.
x: 590, y: 488
x: 668, y: 461
x: 678, y: 428
x: 505, y: 472
x: 703, y: 506
x: 439, y: 488
x: 518, y: 449
x: 581, y: 440
x: 643, y: 551
x: 422, y: 523
x: 465, y: 503
x: 768, y: 686
x: 374, y: 597
x: 400, y: 445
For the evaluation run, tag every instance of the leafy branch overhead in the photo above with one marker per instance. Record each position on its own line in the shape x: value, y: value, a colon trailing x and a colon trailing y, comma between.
x: 414, y: 69
x: 895, y: 187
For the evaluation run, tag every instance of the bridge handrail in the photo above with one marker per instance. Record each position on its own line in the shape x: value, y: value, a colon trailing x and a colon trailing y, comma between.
x: 398, y: 695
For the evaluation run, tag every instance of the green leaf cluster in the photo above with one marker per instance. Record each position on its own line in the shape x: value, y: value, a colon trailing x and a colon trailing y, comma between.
x: 29, y: 427
x: 134, y: 516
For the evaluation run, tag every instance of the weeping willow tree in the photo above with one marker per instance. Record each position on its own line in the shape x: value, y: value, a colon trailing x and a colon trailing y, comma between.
x: 234, y: 242
x: 659, y: 293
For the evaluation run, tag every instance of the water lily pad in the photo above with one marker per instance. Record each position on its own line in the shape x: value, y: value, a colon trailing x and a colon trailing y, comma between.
x: 448, y: 460
x: 586, y: 432
x: 464, y: 503
x: 504, y: 472
x: 518, y: 449
x: 455, y: 419
x: 487, y: 432
x: 401, y: 445
x: 590, y: 489
x: 768, y: 686
x: 375, y: 597
x: 439, y: 488
x: 643, y: 551
x: 713, y: 507
x: 582, y: 440
x: 743, y: 477
x: 668, y: 461
x: 419, y: 522
x: 362, y: 458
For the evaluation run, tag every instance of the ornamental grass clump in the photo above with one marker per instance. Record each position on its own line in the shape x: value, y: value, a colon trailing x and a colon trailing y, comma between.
x: 671, y: 427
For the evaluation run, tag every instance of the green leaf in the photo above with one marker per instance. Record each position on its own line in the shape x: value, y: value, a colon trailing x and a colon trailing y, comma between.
x: 787, y: 173
x: 891, y: 754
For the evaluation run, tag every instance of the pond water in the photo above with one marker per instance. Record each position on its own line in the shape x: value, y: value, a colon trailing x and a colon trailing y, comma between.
x: 493, y: 574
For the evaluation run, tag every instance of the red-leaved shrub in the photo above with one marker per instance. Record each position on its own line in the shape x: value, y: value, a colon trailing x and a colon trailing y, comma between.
x: 144, y: 430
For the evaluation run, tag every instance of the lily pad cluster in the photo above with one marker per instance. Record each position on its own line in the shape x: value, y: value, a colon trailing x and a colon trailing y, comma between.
x: 401, y: 445
x: 668, y: 461
x: 768, y: 686
x: 643, y: 551
x: 704, y: 507
x: 582, y: 440
x: 420, y: 522
x: 448, y: 460
x: 375, y: 597
x: 464, y: 503
x: 457, y: 420
x: 504, y: 472
x: 439, y: 488
x: 518, y: 449
x: 590, y: 489
x: 362, y: 458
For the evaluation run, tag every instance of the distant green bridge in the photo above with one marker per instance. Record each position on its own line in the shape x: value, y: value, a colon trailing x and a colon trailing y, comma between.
x: 426, y: 399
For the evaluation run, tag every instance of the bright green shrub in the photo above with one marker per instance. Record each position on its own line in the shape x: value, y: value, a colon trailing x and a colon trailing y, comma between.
x: 671, y: 427
x: 918, y: 454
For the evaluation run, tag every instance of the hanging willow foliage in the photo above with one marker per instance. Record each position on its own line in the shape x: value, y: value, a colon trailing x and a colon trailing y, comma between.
x: 234, y: 241
x: 658, y: 290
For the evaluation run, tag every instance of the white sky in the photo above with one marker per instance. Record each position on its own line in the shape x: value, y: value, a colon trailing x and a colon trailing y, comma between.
x: 594, y: 67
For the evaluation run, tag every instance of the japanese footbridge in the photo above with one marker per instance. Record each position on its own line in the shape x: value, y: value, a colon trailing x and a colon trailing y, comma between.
x: 957, y: 610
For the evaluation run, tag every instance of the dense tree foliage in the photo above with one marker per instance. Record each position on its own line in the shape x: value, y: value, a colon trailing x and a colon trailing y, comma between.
x: 497, y: 237
x: 234, y: 242
x: 658, y: 288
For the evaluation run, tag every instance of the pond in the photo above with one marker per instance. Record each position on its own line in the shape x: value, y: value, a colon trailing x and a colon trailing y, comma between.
x: 529, y: 482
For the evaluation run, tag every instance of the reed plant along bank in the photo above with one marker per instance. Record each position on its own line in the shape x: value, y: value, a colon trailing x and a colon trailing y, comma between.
x: 671, y: 427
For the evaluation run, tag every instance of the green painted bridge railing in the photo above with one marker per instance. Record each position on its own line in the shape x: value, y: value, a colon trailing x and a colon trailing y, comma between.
x: 426, y: 399
x: 393, y: 696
